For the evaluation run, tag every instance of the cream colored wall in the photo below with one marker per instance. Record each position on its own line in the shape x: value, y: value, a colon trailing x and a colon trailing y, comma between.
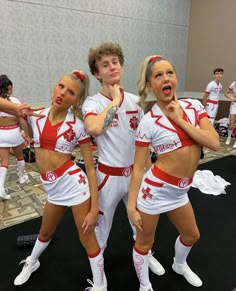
x: 211, y: 43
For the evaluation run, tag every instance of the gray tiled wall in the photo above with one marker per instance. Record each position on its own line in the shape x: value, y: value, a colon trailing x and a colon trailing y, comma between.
x: 43, y: 39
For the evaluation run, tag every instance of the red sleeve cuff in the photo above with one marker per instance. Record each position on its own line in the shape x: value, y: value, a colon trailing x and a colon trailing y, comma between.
x: 88, y: 139
x: 90, y: 114
x: 142, y: 143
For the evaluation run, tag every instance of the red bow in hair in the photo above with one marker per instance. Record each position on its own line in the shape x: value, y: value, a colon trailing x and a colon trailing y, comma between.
x: 155, y: 58
x: 79, y: 75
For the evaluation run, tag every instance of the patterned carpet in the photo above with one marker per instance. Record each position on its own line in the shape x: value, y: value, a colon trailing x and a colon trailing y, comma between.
x: 27, y: 200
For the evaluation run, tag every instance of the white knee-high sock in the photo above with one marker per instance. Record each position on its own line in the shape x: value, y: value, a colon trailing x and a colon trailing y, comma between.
x: 97, y: 266
x: 140, y: 260
x: 39, y: 247
x: 21, y: 167
x: 3, y: 174
x: 181, y: 251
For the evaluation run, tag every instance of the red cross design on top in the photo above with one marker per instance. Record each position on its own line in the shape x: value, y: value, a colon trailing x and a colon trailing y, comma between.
x: 70, y: 135
x: 146, y: 193
x: 82, y: 179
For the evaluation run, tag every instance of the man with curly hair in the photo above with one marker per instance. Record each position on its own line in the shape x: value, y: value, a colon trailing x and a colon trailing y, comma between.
x: 112, y: 116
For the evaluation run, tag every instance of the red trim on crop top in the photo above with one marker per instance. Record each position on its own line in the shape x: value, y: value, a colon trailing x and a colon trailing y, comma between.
x: 183, y: 136
x: 49, y: 135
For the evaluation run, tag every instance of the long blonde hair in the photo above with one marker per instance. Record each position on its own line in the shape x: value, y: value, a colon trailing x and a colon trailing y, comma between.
x: 83, y: 79
x: 144, y: 76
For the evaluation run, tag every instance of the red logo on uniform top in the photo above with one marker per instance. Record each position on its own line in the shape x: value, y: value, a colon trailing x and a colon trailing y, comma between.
x: 69, y: 135
x: 133, y: 122
x: 184, y: 182
x: 51, y: 176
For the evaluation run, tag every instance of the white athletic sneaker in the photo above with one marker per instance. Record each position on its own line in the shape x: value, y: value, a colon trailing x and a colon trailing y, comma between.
x: 228, y: 140
x: 154, y: 265
x: 94, y: 288
x: 28, y: 268
x: 3, y: 194
x: 188, y: 274
x: 145, y: 289
x: 23, y: 179
x: 234, y: 146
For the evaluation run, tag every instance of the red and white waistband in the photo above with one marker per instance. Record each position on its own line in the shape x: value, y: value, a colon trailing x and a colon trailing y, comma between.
x: 9, y: 126
x: 115, y: 171
x: 176, y: 181
x: 53, y: 175
x: 212, y: 101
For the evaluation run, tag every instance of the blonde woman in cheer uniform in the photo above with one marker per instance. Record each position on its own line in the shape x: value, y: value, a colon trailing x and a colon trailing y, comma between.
x: 176, y: 130
x: 55, y: 136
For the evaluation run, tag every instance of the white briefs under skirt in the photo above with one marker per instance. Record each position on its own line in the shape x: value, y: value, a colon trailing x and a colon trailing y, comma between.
x: 71, y: 188
x: 157, y: 196
x: 10, y: 136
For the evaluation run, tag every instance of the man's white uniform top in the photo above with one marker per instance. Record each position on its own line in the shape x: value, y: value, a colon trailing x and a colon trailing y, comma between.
x: 213, y: 89
x: 116, y: 145
x: 232, y: 88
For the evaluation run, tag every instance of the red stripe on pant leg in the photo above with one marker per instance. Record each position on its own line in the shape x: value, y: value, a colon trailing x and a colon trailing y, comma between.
x: 103, y: 182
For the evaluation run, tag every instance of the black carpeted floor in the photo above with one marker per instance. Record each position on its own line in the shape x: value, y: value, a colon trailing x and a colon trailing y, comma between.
x: 64, y: 265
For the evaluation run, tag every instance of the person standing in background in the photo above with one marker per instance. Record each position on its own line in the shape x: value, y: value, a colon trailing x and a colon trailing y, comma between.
x: 111, y: 117
x: 56, y: 134
x: 210, y: 98
x: 231, y: 95
x: 11, y: 137
x: 175, y: 129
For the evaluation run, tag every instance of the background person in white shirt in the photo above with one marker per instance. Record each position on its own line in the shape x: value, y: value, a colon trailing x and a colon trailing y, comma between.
x: 210, y: 98
x: 231, y: 95
x: 10, y: 137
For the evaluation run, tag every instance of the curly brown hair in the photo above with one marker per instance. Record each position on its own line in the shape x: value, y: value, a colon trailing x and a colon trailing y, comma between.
x: 106, y: 48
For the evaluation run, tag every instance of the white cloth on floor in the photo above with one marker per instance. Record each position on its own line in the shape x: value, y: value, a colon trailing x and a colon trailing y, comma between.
x: 207, y: 183
x: 223, y: 121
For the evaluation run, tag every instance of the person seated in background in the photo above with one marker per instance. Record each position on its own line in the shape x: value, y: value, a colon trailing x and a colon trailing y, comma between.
x: 11, y: 137
x: 231, y: 95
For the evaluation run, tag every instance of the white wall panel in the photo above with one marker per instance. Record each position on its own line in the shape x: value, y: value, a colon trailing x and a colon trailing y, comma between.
x: 168, y: 11
x: 28, y: 1
x: 43, y: 39
x: 68, y: 38
x: 137, y: 38
x: 84, y: 5
x: 23, y: 57
x: 176, y: 39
